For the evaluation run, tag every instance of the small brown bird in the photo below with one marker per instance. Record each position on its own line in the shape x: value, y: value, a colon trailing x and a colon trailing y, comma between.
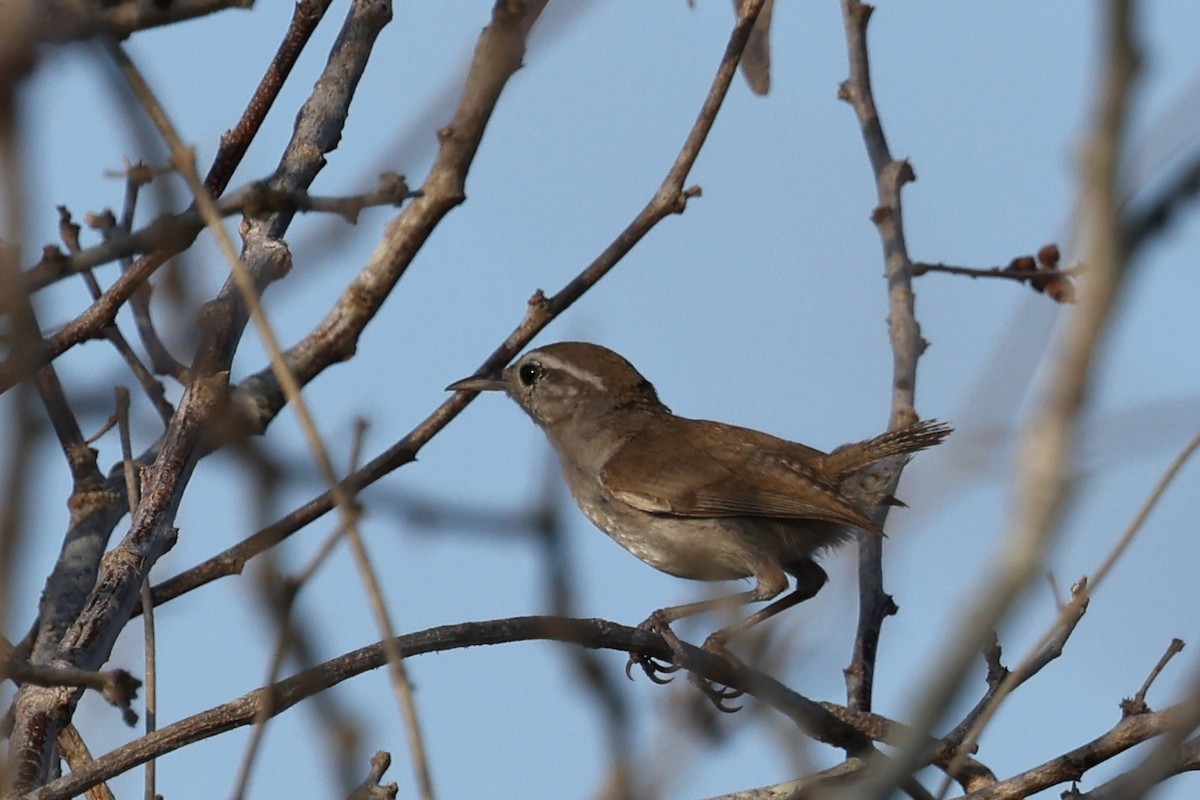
x: 694, y: 498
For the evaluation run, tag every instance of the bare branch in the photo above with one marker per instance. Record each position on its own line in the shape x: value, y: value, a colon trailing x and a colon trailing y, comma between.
x: 109, y: 227
x: 371, y: 788
x: 260, y: 395
x: 874, y: 604
x: 1041, y: 273
x: 1186, y: 758
x: 1072, y: 765
x: 1137, y: 703
x: 809, y: 716
x: 1049, y: 438
x: 38, y: 714
x: 117, y: 686
x: 256, y: 200
x: 1002, y: 683
x: 76, y: 21
x: 152, y: 388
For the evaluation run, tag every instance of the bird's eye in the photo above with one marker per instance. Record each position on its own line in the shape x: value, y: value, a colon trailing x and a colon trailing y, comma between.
x: 529, y: 373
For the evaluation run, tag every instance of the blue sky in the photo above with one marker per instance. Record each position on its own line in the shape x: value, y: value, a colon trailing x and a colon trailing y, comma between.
x: 762, y: 305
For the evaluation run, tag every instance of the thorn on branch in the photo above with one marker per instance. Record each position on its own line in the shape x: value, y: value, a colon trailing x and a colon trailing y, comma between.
x: 992, y: 652
x: 678, y: 203
x: 105, y: 428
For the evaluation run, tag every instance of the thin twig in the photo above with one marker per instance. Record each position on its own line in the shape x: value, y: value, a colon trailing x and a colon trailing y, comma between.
x: 306, y: 15
x: 1041, y: 272
x: 257, y: 199
x: 116, y: 685
x: 1019, y: 275
x: 1137, y: 703
x: 109, y: 227
x: 69, y: 232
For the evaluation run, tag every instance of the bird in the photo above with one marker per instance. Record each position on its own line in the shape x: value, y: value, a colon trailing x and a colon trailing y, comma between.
x: 695, y: 498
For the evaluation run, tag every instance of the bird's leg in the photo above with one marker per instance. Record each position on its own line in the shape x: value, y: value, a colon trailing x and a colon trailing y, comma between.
x: 809, y: 580
x: 770, y: 584
x: 660, y: 622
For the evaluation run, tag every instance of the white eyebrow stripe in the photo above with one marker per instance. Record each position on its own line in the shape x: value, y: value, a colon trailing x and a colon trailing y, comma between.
x: 590, y: 378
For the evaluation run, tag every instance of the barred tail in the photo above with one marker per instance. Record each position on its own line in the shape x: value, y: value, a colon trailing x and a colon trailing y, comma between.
x: 918, y: 436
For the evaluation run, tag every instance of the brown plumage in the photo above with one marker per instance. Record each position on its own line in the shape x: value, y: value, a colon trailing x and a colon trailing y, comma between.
x: 695, y: 498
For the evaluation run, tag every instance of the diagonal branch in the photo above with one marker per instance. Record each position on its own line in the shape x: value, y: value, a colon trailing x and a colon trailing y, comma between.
x: 260, y: 395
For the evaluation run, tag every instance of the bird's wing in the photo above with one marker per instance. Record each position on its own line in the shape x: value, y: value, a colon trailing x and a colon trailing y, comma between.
x: 696, y: 468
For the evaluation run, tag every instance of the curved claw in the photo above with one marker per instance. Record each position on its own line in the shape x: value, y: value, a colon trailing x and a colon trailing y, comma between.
x: 652, y: 667
x: 722, y: 707
x: 719, y: 695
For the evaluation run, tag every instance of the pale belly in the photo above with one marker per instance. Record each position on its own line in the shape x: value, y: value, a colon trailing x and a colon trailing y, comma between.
x: 697, y: 548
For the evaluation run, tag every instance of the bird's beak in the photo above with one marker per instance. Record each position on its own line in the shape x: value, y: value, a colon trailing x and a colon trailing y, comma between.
x: 478, y: 383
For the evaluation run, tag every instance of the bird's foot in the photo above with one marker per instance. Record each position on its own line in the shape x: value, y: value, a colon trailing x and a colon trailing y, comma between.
x: 718, y: 694
x: 653, y: 667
